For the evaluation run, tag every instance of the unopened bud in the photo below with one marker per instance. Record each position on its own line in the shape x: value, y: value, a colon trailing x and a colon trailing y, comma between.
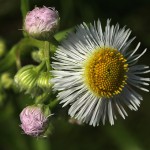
x: 26, y: 78
x: 6, y: 80
x: 38, y: 56
x: 44, y: 81
x: 35, y: 56
x: 34, y: 120
x: 42, y: 23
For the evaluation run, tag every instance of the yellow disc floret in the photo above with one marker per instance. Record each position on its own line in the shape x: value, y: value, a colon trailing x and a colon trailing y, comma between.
x: 105, y: 72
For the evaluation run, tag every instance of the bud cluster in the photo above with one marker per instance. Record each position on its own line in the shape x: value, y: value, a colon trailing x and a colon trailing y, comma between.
x: 32, y: 80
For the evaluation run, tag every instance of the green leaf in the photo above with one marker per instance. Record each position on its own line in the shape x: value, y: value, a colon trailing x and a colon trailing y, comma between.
x: 62, y: 34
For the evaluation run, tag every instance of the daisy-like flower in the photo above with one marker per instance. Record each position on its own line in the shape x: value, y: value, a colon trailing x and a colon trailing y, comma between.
x: 97, y: 74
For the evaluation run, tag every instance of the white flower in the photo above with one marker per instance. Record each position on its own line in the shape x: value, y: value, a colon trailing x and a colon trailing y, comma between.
x: 96, y: 73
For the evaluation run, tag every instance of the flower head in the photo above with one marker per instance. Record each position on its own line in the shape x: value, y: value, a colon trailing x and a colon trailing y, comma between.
x: 42, y: 23
x: 96, y: 73
x: 34, y: 120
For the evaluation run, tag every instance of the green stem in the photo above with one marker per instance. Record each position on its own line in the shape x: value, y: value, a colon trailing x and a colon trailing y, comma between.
x: 47, y: 55
x: 53, y: 104
x: 23, y: 45
x: 18, y: 61
x: 24, y: 7
x: 24, y: 10
x: 42, y: 98
x: 54, y: 42
x: 40, y: 66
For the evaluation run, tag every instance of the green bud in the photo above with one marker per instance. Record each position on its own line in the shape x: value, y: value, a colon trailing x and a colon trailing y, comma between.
x: 38, y: 56
x: 35, y: 56
x: 6, y: 80
x: 26, y: 78
x: 44, y: 81
x: 41, y: 54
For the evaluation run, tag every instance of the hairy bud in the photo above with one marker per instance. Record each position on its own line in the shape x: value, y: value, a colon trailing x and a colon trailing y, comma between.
x: 34, y: 120
x: 42, y: 23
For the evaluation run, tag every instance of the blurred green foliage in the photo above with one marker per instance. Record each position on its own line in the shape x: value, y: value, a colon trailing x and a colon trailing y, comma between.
x: 130, y: 134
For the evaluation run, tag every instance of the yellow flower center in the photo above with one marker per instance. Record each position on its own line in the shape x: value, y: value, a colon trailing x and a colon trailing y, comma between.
x: 105, y: 72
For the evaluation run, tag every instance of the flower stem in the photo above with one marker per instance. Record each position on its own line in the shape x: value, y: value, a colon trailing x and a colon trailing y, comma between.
x: 42, y: 98
x: 53, y: 104
x: 24, y: 7
x: 47, y: 55
x: 24, y: 10
x: 18, y: 61
x: 40, y: 66
x: 23, y: 46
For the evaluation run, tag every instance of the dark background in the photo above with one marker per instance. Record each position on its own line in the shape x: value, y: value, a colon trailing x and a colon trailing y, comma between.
x: 133, y: 133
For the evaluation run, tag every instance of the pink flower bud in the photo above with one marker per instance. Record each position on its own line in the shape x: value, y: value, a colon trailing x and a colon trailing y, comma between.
x: 34, y: 120
x: 42, y: 23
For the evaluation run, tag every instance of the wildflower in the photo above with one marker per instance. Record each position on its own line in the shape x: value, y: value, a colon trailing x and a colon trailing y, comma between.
x: 42, y: 23
x: 34, y: 120
x: 96, y: 73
